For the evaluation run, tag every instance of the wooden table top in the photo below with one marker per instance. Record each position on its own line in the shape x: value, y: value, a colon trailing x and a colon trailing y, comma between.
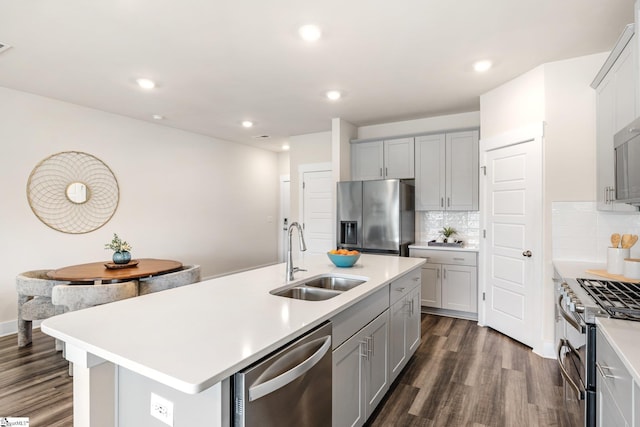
x: 98, y: 272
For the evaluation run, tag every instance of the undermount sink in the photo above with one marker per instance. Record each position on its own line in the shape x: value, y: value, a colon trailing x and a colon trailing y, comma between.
x: 319, y: 288
x: 334, y: 282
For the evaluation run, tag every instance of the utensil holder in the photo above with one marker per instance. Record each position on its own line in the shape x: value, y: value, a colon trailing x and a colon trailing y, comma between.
x: 632, y: 268
x: 615, y: 260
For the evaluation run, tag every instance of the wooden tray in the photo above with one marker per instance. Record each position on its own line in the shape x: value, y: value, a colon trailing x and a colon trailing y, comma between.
x: 617, y: 277
x: 114, y: 266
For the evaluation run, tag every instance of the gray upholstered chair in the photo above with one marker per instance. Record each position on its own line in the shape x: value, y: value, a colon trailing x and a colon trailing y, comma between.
x: 187, y: 275
x: 77, y: 297
x: 34, y: 302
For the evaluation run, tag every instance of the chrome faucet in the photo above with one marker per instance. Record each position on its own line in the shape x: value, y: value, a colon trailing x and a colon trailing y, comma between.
x: 303, y: 247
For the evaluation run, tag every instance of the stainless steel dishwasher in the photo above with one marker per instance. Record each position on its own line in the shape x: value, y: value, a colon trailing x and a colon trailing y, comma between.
x: 291, y: 387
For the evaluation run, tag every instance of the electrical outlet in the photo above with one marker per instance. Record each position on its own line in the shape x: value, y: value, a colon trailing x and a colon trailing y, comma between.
x: 162, y: 409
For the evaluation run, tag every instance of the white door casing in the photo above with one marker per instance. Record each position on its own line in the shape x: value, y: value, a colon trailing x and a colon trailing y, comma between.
x: 284, y: 220
x: 511, y: 252
x: 317, y: 209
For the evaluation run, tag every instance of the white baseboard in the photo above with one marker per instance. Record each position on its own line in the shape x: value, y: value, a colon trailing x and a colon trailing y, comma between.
x: 11, y: 327
x: 547, y: 351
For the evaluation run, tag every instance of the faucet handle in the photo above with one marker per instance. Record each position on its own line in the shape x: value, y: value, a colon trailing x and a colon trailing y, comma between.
x: 295, y: 269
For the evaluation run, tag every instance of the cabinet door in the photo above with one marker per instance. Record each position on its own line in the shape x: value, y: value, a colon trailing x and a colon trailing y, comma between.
x: 460, y: 288
x: 605, y: 111
x: 636, y: 405
x: 430, y: 172
x: 431, y: 286
x: 399, y: 158
x: 376, y: 378
x: 462, y: 171
x: 348, y: 382
x: 397, y: 337
x: 625, y: 93
x: 414, y: 320
x: 367, y: 160
x: 607, y: 412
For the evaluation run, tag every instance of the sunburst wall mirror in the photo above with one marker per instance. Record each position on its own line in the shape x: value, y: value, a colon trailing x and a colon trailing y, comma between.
x: 73, y: 192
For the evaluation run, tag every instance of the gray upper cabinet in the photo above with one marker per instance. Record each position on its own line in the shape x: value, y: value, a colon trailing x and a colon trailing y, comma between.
x: 616, y: 106
x: 388, y: 159
x: 446, y: 171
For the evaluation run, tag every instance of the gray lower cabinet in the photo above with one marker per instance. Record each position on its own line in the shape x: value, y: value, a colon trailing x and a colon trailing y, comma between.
x: 360, y: 373
x: 404, y: 322
x: 614, y: 385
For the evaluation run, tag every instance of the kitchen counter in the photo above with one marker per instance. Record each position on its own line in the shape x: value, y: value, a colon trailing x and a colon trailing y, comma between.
x: 575, y: 269
x: 425, y: 245
x: 193, y: 337
x: 623, y: 335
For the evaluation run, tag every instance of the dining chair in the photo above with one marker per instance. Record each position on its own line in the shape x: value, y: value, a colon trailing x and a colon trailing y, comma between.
x: 187, y: 275
x: 34, y: 290
x: 78, y: 297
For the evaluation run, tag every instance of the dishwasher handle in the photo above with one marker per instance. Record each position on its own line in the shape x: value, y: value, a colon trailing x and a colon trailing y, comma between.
x: 261, y: 390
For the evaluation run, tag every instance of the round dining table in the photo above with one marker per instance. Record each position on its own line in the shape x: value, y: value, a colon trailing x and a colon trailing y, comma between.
x: 98, y: 272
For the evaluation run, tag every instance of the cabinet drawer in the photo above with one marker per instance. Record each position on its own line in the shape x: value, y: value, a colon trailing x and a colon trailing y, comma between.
x: 354, y: 318
x: 445, y: 257
x: 402, y: 286
x: 614, y: 375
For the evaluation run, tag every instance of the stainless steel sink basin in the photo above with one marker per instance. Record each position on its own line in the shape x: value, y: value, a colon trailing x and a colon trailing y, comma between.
x: 334, y: 283
x: 308, y: 294
x: 319, y: 288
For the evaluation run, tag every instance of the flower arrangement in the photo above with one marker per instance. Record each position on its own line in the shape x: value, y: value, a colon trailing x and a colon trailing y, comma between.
x: 118, y: 245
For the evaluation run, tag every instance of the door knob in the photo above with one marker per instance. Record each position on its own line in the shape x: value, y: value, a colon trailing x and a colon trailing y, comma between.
x: 527, y: 254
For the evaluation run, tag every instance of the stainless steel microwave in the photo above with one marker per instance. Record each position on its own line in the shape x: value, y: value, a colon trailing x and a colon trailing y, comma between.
x: 626, y: 145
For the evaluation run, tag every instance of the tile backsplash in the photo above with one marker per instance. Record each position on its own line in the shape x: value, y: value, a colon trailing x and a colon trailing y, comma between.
x: 580, y: 232
x: 467, y: 225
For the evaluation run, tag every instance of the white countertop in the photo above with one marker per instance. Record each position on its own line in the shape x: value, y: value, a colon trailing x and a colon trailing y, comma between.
x: 192, y: 337
x: 425, y: 245
x: 624, y: 337
x: 574, y: 269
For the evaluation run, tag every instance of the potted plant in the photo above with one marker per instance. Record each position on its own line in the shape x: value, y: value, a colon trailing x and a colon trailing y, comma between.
x: 121, y: 250
x: 448, y: 232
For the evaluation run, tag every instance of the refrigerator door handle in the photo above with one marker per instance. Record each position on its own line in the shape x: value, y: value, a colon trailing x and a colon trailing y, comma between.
x: 261, y: 390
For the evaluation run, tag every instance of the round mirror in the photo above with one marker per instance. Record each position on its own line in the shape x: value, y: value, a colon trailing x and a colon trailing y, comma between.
x: 77, y: 193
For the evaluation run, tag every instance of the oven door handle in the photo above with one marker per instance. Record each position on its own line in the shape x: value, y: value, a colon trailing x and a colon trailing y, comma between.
x: 570, y: 319
x: 563, y: 370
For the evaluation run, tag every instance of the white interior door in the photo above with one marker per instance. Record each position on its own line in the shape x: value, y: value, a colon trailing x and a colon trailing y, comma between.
x: 512, y: 266
x: 317, y: 206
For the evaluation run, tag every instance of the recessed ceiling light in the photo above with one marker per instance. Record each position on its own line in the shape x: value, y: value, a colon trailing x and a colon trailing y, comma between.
x: 157, y: 117
x: 482, y: 66
x: 310, y: 33
x: 285, y: 147
x: 334, y: 95
x: 146, y: 83
x: 247, y: 124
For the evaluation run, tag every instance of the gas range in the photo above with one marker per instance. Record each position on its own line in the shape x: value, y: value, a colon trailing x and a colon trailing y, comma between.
x: 621, y: 300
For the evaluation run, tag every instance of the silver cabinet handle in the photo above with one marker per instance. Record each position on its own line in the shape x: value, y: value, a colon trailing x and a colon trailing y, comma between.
x: 386, y: 171
x: 364, y: 352
x: 448, y: 201
x: 416, y: 279
x: 442, y: 202
x: 380, y: 171
x: 437, y: 273
x: 601, y: 370
x: 260, y: 390
x: 612, y: 194
x: 400, y: 289
x: 458, y: 259
x: 444, y: 273
x: 606, y: 195
x: 370, y: 350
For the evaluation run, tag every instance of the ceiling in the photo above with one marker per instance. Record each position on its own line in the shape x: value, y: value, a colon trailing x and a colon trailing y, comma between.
x: 217, y: 63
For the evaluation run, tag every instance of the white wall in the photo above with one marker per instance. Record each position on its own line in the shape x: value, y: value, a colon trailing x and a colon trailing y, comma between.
x: 559, y: 95
x: 183, y: 196
x: 306, y: 149
x: 425, y: 125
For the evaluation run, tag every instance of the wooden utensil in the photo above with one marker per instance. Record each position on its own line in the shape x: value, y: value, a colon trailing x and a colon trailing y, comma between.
x: 615, y: 240
x: 633, y: 240
x: 626, y: 241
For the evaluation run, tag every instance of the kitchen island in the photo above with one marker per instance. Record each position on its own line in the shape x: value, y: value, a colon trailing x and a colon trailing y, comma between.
x: 184, y: 343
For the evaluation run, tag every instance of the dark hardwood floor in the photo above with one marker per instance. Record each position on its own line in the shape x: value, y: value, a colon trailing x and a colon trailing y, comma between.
x: 462, y: 375
x: 34, y: 382
x: 466, y: 375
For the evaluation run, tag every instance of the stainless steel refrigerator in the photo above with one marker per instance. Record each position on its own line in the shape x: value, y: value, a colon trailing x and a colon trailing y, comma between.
x: 376, y: 216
